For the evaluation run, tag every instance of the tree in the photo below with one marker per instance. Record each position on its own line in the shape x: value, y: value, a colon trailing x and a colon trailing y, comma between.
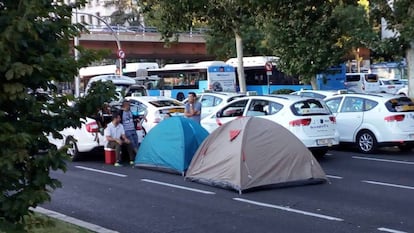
x: 220, y: 15
x: 35, y: 43
x: 399, y: 16
x: 309, y: 36
x: 127, y: 11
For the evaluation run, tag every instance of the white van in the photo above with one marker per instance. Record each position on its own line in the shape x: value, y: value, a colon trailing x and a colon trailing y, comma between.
x: 362, y: 83
x: 121, y: 83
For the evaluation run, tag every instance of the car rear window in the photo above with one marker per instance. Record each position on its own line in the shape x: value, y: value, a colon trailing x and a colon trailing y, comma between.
x: 165, y: 103
x: 400, y: 104
x: 309, y: 107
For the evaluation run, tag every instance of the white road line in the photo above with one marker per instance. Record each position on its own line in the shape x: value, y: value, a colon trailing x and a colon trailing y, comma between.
x: 388, y: 184
x: 334, y: 177
x: 383, y: 160
x: 178, y: 186
x: 101, y: 171
x: 289, y: 209
x: 390, y: 230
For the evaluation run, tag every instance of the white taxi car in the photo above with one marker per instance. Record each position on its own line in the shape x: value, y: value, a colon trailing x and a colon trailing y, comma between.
x: 211, y: 101
x: 155, y: 109
x: 390, y: 85
x: 307, y: 118
x: 372, y: 120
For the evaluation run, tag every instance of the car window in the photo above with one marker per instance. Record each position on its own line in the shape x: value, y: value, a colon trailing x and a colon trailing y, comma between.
x: 257, y: 108
x: 137, y: 108
x: 369, y: 104
x: 273, y: 108
x: 165, y: 103
x: 401, y: 104
x: 333, y: 104
x: 234, y: 109
x: 207, y: 101
x: 309, y: 107
x: 217, y: 101
x: 371, y: 78
x: 352, y: 104
x: 312, y: 95
x: 353, y: 78
x: 235, y: 97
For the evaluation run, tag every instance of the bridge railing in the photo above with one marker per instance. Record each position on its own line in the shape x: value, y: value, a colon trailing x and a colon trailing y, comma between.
x: 135, y: 29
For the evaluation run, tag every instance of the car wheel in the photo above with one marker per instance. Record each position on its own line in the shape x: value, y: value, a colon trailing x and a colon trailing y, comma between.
x: 72, y: 150
x: 405, y: 148
x: 366, y: 142
x: 319, y: 153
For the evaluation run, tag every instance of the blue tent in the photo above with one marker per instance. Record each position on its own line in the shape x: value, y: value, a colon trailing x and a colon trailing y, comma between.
x: 171, y: 144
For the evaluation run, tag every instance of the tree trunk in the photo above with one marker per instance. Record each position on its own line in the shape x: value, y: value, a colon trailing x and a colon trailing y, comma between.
x: 240, y: 68
x: 313, y: 83
x: 410, y: 68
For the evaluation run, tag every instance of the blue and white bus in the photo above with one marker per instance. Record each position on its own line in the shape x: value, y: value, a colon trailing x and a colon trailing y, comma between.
x: 256, y: 75
x: 176, y: 80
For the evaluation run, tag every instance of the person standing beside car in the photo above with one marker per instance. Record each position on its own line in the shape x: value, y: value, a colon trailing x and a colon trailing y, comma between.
x: 115, y: 137
x: 193, y: 108
x: 129, y: 123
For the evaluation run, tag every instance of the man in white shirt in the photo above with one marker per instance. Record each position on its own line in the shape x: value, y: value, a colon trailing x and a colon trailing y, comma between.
x: 115, y: 138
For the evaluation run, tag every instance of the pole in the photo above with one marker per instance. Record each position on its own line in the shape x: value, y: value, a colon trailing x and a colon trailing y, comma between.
x: 268, y: 84
x: 77, y: 78
x: 118, y: 43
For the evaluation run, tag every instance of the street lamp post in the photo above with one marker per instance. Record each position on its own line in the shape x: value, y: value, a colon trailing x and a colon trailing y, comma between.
x: 76, y: 43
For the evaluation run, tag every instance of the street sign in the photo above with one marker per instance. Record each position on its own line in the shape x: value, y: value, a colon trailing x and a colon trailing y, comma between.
x: 268, y: 66
x: 121, y: 54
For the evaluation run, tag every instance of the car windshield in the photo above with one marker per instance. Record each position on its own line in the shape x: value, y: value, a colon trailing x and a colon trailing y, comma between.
x: 165, y: 103
x: 401, y: 104
x: 309, y: 107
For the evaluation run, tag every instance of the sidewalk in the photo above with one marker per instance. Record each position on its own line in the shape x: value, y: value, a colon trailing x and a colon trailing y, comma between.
x: 71, y: 220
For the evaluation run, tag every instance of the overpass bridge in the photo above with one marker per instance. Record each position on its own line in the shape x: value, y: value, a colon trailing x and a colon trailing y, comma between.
x: 148, y: 45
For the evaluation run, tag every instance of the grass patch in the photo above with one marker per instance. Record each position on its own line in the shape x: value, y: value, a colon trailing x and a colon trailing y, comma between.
x: 39, y: 223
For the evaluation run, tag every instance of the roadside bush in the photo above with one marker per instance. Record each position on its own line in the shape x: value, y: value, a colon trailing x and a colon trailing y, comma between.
x: 282, y: 91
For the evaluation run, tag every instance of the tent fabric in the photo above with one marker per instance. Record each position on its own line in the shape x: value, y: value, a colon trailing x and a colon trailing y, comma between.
x: 250, y: 152
x: 171, y: 144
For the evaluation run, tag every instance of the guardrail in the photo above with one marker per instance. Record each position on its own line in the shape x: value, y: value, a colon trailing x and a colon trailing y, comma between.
x: 136, y: 29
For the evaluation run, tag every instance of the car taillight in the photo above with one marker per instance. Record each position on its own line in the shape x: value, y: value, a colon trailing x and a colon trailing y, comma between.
x: 333, y: 119
x: 300, y: 122
x: 138, y: 127
x: 157, y: 120
x: 394, y: 118
x: 92, y: 127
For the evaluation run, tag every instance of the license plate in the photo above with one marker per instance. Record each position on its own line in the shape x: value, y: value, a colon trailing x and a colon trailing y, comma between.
x: 324, y: 142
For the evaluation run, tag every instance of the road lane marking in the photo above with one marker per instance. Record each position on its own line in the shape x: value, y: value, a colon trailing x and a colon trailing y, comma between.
x: 178, y: 186
x: 289, y: 209
x: 101, y: 171
x: 334, y: 177
x: 390, y: 230
x: 383, y: 160
x: 388, y: 184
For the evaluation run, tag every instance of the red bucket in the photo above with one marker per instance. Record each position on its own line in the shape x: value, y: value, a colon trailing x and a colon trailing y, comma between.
x: 110, y: 156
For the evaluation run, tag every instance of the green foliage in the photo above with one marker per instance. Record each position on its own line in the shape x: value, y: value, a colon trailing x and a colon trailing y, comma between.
x: 35, y: 38
x: 310, y: 36
x: 282, y: 91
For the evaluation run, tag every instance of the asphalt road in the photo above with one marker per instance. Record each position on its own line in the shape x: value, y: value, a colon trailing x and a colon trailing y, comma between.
x: 366, y: 193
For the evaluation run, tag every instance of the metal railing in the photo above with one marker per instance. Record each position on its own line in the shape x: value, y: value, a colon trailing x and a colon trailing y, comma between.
x: 136, y: 29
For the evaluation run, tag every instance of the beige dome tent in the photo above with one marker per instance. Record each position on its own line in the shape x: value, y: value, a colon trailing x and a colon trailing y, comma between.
x: 250, y: 152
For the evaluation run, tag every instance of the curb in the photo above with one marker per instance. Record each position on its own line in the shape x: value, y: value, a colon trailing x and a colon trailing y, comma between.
x: 71, y: 220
